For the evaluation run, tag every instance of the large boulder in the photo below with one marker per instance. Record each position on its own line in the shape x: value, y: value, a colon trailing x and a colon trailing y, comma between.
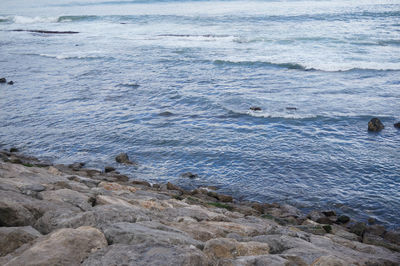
x: 375, y: 125
x: 62, y: 247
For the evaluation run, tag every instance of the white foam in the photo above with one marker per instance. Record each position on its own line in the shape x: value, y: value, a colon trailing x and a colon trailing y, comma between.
x: 32, y: 20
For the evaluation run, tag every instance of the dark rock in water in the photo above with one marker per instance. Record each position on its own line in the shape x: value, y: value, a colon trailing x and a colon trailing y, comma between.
x: 315, y: 215
x: 376, y: 229
x: 224, y: 198
x: 324, y: 220
x: 3, y: 80
x: 291, y: 108
x: 13, y: 149
x: 397, y: 125
x: 255, y: 108
x: 171, y: 186
x: 166, y: 113
x: 76, y: 166
x: 189, y: 175
x: 108, y: 169
x: 10, y: 82
x: 371, y: 221
x: 140, y: 182
x: 358, y: 228
x: 329, y: 213
x: 123, y: 158
x: 342, y: 219
x: 375, y: 125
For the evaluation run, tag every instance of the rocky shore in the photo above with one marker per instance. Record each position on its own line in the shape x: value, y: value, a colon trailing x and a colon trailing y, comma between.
x: 70, y: 215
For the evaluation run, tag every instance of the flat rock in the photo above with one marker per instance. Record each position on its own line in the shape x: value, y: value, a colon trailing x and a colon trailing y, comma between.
x: 62, y: 247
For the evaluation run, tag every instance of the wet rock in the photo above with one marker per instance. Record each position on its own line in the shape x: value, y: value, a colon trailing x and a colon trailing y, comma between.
x: 291, y: 108
x: 375, y: 125
x: 62, y: 247
x: 393, y: 236
x: 189, y: 175
x: 140, y: 182
x: 108, y: 169
x: 329, y: 213
x: 376, y: 229
x: 171, y: 186
x: 358, y: 228
x: 342, y: 219
x: 76, y: 166
x: 396, y: 125
x: 166, y: 113
x: 123, y: 158
x: 10, y: 82
x: 13, y: 149
x: 324, y: 220
x: 255, y: 108
x: 12, y: 238
x: 3, y: 80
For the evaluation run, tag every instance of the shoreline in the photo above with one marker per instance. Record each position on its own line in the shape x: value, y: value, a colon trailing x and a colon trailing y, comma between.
x: 202, y: 222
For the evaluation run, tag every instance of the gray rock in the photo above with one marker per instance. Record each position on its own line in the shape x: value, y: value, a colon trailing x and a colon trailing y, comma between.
x: 144, y: 255
x: 342, y: 219
x: 14, y: 214
x: 134, y: 233
x: 375, y: 125
x: 123, y: 158
x: 189, y: 175
x: 76, y: 166
x: 358, y: 228
x: 12, y: 238
x: 393, y: 236
x: 62, y: 247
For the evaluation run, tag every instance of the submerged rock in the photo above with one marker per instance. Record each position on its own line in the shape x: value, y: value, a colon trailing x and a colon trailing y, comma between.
x: 375, y: 125
x: 10, y: 82
x: 255, y: 108
x: 189, y: 175
x: 108, y: 169
x: 397, y: 125
x: 13, y: 149
x: 123, y: 158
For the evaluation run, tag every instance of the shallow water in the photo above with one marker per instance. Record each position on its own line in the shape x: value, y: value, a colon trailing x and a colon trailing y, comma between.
x: 171, y: 83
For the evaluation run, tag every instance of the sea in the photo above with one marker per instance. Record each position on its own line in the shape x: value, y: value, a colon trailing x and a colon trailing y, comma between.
x: 173, y: 84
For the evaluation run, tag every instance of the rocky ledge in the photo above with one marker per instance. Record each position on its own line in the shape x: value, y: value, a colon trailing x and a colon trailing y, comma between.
x: 60, y: 215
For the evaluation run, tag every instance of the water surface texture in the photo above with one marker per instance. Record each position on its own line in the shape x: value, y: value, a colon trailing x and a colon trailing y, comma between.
x: 171, y: 84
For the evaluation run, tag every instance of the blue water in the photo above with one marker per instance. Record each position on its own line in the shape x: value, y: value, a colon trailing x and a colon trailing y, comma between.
x: 105, y: 90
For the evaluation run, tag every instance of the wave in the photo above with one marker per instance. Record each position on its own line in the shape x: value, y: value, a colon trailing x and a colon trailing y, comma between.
x: 61, y: 57
x: 323, y: 68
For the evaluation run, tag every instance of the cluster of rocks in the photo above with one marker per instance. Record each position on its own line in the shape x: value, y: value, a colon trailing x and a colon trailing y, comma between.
x: 375, y: 125
x: 4, y: 80
x: 71, y: 215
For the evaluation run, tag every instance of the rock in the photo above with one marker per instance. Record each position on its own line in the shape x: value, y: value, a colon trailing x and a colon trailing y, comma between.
x: 189, y: 175
x: 68, y: 196
x: 376, y: 229
x: 358, y: 228
x: 108, y: 169
x: 375, y: 125
x: 255, y: 108
x: 12, y: 238
x: 396, y: 125
x: 32, y: 190
x: 228, y: 248
x: 10, y: 82
x: 76, y: 166
x: 329, y: 213
x: 62, y: 247
x: 324, y: 220
x: 329, y: 260
x: 315, y: 215
x: 140, y: 182
x: 3, y: 80
x: 135, y: 233
x: 372, y: 239
x: 14, y: 214
x: 142, y: 254
x: 166, y: 113
x: 393, y: 236
x: 171, y: 186
x: 224, y: 198
x: 13, y: 149
x: 371, y: 221
x: 123, y: 158
x: 291, y: 108
x: 342, y: 219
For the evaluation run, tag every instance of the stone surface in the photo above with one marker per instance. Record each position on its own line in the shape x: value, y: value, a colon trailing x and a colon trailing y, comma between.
x: 123, y: 158
x: 62, y: 247
x: 108, y: 169
x: 3, y: 80
x: 255, y: 108
x: 12, y: 238
x: 396, y: 125
x: 189, y: 175
x: 375, y: 125
x: 227, y: 248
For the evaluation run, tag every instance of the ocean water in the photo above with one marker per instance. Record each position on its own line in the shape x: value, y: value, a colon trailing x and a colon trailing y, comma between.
x: 171, y: 84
